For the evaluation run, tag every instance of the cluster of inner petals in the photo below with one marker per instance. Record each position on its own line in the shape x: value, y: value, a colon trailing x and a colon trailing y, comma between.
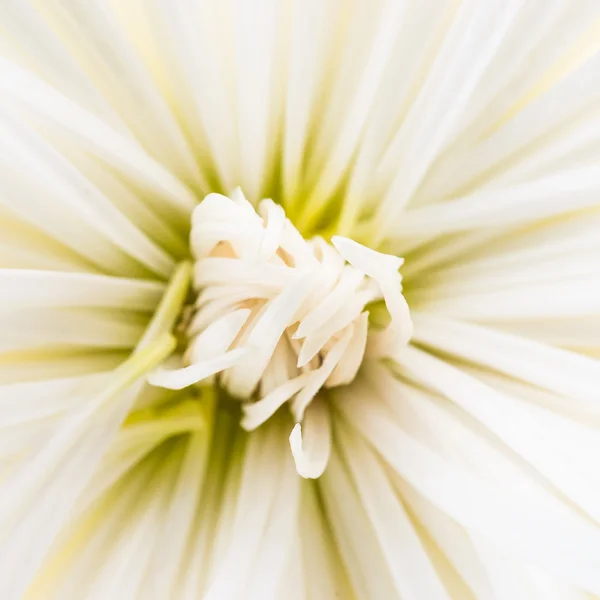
x: 278, y: 318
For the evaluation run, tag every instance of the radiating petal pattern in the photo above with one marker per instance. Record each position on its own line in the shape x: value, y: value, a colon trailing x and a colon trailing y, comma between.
x: 214, y: 382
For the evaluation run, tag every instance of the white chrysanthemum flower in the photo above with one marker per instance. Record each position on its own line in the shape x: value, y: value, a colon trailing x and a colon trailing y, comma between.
x: 210, y: 385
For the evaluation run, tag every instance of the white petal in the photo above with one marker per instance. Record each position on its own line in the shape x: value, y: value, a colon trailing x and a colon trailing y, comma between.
x: 265, y: 334
x: 74, y: 449
x: 471, y: 42
x: 268, y: 490
x: 413, y: 573
x: 562, y: 372
x: 323, y: 571
x: 383, y: 268
x: 311, y: 441
x: 349, y: 280
x: 94, y: 136
x: 177, y: 379
x: 178, y: 520
x: 218, y: 336
x: 27, y: 287
x: 553, y: 195
x: 353, y: 534
x: 345, y: 317
x: 550, y: 538
x: 318, y: 377
x: 48, y: 191
x: 256, y: 413
x: 348, y: 367
x: 40, y: 328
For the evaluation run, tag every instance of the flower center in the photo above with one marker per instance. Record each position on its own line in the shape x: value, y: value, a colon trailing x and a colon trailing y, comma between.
x: 278, y: 318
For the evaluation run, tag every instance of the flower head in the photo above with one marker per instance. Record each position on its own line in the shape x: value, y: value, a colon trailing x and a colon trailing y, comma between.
x: 166, y: 340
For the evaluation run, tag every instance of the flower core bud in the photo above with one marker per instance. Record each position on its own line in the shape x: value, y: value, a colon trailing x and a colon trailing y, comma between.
x: 278, y: 318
